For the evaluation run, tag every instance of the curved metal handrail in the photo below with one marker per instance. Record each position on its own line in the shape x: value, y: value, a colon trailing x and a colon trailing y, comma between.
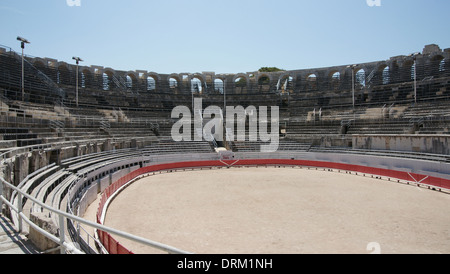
x: 67, y: 246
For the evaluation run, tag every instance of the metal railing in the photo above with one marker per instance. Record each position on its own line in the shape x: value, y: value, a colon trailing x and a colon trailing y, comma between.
x: 65, y: 246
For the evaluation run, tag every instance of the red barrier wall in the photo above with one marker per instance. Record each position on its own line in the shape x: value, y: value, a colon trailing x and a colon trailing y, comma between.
x: 114, y: 247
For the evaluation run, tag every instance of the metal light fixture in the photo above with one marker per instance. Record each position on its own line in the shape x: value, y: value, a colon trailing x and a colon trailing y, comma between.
x: 78, y: 60
x: 23, y: 41
x: 353, y: 83
x: 414, y: 56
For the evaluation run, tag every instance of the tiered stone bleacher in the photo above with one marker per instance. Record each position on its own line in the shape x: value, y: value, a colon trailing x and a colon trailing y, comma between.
x: 114, y: 130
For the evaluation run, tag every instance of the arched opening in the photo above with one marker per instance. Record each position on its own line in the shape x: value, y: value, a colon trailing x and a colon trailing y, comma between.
x: 219, y: 86
x: 436, y: 65
x: 196, y: 85
x: 39, y: 64
x: 336, y: 77
x: 286, y: 84
x: 263, y: 83
x: 86, y: 77
x: 263, y: 80
x: 240, y: 82
x: 107, y: 77
x: 413, y: 71
x: 173, y: 83
x: 311, y: 81
x: 129, y: 82
x: 62, y: 75
x: 386, y: 75
x: 83, y: 79
x: 442, y: 65
x: 361, y: 77
x: 151, y: 83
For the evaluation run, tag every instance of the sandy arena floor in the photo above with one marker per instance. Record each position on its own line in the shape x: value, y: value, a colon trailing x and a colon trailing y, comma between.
x: 281, y: 211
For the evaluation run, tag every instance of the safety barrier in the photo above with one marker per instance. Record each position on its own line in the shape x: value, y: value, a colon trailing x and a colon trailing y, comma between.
x: 114, y: 247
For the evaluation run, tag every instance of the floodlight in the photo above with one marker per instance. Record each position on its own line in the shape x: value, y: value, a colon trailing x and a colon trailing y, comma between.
x: 78, y: 59
x: 23, y: 40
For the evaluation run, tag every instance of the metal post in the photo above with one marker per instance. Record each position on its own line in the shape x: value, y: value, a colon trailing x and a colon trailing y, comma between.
x: 224, y: 100
x: 415, y: 80
x: 61, y: 234
x: 1, y: 201
x: 23, y: 74
x: 23, y: 41
x: 77, y: 87
x: 414, y: 56
x: 78, y: 60
x: 20, y: 209
x: 353, y: 87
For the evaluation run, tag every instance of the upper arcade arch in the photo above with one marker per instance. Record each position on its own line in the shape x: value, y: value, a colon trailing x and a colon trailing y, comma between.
x: 219, y: 85
x: 432, y: 62
x: 107, y: 76
x: 131, y: 80
x: 286, y: 83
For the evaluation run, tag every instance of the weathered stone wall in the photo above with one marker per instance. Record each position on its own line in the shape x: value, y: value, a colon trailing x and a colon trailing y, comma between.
x: 435, y: 144
x: 313, y: 79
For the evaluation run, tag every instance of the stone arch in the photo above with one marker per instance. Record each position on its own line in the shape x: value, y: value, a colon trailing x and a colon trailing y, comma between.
x: 239, y: 76
x: 62, y: 73
x: 151, y: 83
x: 437, y: 64
x: 311, y: 81
x: 86, y: 77
x: 334, y: 75
x: 442, y: 65
x: 219, y: 85
x: 407, y: 69
x: 360, y: 77
x: 264, y: 79
x: 383, y: 74
x: 286, y: 83
x: 107, y: 76
x: 174, y: 81
x: 241, y: 83
x: 196, y: 84
x: 334, y: 79
x: 131, y: 80
x: 152, y: 80
x: 39, y: 62
x: 394, y: 70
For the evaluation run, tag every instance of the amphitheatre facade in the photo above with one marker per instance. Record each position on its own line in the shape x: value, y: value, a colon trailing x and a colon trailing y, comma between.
x: 71, y: 133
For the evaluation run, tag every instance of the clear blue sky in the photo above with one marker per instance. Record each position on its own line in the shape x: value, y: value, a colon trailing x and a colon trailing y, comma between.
x: 224, y: 36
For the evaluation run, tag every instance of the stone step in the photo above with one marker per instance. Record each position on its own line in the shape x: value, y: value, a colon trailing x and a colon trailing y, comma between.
x: 12, y: 242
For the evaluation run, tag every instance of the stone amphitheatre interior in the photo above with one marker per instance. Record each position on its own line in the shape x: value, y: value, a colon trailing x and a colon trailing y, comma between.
x: 70, y: 132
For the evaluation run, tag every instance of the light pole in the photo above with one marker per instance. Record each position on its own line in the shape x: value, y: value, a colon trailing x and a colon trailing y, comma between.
x: 353, y: 84
x: 224, y: 100
x: 23, y: 41
x: 414, y: 56
x: 78, y: 60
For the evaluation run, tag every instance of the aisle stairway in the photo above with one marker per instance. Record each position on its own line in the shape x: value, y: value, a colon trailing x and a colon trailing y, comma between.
x: 12, y: 242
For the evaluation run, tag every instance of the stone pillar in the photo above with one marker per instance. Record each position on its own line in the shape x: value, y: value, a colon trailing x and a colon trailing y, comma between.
x: 21, y: 164
x: 40, y: 241
x: 107, y: 145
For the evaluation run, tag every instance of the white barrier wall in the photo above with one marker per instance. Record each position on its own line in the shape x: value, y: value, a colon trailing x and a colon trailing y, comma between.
x: 429, y: 168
